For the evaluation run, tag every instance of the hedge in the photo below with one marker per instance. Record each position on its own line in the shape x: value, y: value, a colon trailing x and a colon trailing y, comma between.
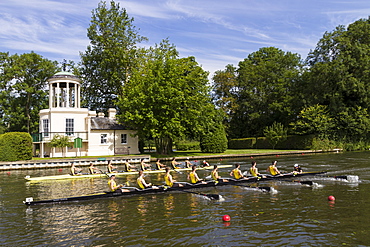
x: 292, y: 142
x: 15, y: 146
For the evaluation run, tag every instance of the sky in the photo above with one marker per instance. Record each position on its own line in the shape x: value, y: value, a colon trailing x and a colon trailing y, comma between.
x: 216, y: 33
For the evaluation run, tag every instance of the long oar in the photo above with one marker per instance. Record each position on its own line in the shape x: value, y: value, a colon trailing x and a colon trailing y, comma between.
x: 210, y: 196
x: 310, y: 183
x: 301, y: 182
x: 262, y: 188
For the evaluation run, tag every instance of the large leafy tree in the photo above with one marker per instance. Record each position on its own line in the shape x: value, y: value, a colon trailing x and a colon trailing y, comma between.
x: 23, y: 90
x: 264, y: 92
x: 107, y: 63
x: 338, y: 78
x: 225, y: 91
x: 167, y: 97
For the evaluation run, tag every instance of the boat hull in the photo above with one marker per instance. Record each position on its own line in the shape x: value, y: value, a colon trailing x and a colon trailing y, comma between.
x: 164, y: 189
x: 105, y: 175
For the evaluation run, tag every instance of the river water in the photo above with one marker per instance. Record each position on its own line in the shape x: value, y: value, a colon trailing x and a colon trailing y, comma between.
x: 296, y: 215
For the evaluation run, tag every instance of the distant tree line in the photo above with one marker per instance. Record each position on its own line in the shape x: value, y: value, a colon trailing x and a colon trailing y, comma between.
x: 168, y: 98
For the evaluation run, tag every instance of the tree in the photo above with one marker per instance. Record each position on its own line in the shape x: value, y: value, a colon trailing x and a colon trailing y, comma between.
x: 314, y: 120
x: 264, y: 92
x: 61, y: 142
x: 275, y: 133
x: 107, y: 63
x: 166, y: 97
x: 23, y: 90
x: 214, y: 140
x: 338, y: 78
x: 225, y: 92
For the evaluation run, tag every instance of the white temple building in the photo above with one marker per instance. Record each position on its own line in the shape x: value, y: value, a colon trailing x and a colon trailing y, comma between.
x: 90, y: 134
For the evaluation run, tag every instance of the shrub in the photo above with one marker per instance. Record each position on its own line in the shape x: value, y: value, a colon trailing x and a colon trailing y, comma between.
x: 214, y: 141
x: 15, y: 146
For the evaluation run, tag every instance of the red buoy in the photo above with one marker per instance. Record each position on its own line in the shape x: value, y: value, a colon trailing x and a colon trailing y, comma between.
x: 221, y: 159
x: 331, y: 198
x: 226, y: 217
x: 251, y: 157
x: 60, y: 170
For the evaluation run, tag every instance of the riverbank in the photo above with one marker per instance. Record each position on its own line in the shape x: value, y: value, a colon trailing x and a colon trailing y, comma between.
x: 180, y: 156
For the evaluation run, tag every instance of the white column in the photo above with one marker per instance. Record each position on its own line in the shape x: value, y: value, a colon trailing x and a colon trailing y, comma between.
x: 67, y: 95
x: 50, y: 95
x: 58, y: 95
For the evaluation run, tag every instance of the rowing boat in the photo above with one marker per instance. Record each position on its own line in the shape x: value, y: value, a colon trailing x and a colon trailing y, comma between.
x: 99, y: 175
x: 163, y: 189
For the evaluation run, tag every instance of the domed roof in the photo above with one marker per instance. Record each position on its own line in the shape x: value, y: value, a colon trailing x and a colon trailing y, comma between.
x: 64, y: 75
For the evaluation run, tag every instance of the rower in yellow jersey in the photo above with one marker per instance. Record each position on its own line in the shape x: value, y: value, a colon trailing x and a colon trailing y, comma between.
x: 159, y: 165
x: 113, y: 187
x: 273, y: 169
x: 169, y: 180
x: 215, y: 176
x: 254, y: 170
x: 128, y: 167
x: 236, y: 173
x: 142, y: 183
x: 144, y: 166
x: 75, y: 170
x: 110, y: 167
x: 92, y: 169
x: 174, y: 164
x: 193, y: 176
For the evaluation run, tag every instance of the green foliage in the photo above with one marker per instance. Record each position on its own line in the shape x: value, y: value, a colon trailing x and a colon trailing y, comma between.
x: 314, y: 120
x: 275, y: 133
x: 214, y: 141
x: 15, y: 146
x: 61, y: 142
x: 23, y: 90
x: 167, y: 97
x: 242, y: 143
x: 187, y: 145
x: 264, y: 91
x: 338, y: 79
x: 108, y: 62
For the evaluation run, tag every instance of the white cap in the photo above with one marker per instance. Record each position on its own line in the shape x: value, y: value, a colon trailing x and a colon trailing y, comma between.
x: 296, y: 165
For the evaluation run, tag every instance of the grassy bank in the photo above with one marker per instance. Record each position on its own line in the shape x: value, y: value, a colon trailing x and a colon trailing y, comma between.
x: 195, y: 153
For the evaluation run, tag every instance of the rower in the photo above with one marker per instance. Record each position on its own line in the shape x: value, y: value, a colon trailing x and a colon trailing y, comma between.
x: 236, y: 173
x: 254, y: 170
x: 142, y: 184
x: 188, y: 164
x: 205, y: 164
x: 159, y: 165
x: 75, y: 170
x: 113, y: 187
x: 216, y: 178
x: 92, y: 169
x: 273, y: 169
x: 110, y: 167
x: 297, y: 169
x: 174, y: 163
x: 193, y: 176
x: 144, y: 166
x: 127, y: 166
x: 169, y: 180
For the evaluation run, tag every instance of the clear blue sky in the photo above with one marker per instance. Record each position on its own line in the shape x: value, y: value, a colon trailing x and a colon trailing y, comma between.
x: 216, y: 32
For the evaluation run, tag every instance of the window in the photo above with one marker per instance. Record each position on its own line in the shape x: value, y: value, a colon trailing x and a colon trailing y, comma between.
x: 123, y: 138
x: 69, y: 126
x: 45, y: 127
x: 103, y: 138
